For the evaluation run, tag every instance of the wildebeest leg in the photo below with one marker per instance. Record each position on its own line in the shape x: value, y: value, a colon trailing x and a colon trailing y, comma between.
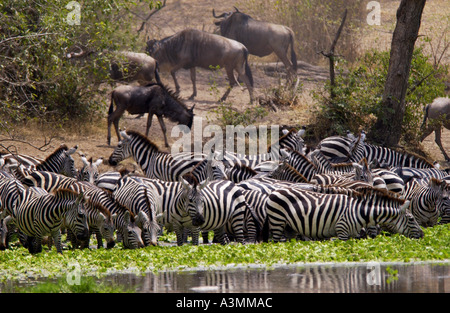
x: 177, y: 86
x: 149, y: 123
x: 437, y: 139
x: 194, y: 86
x: 232, y: 82
x: 163, y: 128
x: 114, y: 119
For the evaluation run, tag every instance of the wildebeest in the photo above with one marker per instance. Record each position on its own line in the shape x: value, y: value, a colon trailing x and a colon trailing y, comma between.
x: 126, y: 65
x: 438, y: 115
x: 193, y: 48
x: 152, y: 99
x: 260, y: 38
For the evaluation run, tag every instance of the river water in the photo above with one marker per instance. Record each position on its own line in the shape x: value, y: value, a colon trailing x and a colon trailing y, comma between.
x: 311, y: 278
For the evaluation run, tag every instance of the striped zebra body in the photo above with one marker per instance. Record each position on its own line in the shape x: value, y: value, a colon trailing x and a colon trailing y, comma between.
x: 41, y: 214
x: 98, y: 208
x: 393, y: 158
x: 154, y: 163
x: 320, y: 216
x: 217, y: 206
x: 209, y: 168
x: 60, y: 161
x: 141, y: 199
x: 231, y: 158
x: 108, y: 180
x: 239, y: 172
x: 257, y: 201
x: 337, y: 148
x: 408, y: 173
x: 429, y: 201
x: 286, y: 172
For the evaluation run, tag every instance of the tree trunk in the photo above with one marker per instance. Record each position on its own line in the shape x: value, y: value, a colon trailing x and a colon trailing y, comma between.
x: 388, y: 127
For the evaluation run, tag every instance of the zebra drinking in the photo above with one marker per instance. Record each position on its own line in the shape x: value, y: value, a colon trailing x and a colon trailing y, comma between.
x: 319, y: 215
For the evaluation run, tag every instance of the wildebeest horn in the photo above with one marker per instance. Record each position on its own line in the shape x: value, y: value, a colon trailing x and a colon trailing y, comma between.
x: 236, y: 9
x: 219, y: 16
x: 192, y: 108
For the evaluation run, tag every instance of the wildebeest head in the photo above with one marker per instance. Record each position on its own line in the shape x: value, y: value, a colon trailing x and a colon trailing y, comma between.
x: 152, y: 46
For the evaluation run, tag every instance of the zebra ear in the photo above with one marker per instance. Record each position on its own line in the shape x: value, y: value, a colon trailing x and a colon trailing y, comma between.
x: 84, y: 159
x: 203, y: 184
x: 124, y: 134
x: 185, y: 183
x: 99, y: 161
x: 404, y: 207
x: 72, y: 150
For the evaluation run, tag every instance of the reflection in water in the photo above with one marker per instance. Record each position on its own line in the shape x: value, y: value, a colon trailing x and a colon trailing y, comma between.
x: 341, y: 278
x: 353, y: 278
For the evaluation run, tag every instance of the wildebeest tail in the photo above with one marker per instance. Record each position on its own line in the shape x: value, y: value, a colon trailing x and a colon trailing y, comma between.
x: 293, y: 55
x: 248, y: 71
x: 425, y: 116
x: 111, y: 106
x: 157, y: 77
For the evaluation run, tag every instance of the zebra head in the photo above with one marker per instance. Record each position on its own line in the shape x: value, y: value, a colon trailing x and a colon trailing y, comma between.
x: 4, y: 223
x: 405, y: 223
x: 76, y: 219
x: 122, y: 150
x: 131, y: 233
x: 89, y: 171
x: 194, y: 198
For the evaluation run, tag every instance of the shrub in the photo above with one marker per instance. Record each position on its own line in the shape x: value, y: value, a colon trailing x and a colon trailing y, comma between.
x: 359, y: 93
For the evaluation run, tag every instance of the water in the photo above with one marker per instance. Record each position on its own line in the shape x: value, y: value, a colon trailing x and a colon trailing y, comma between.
x: 315, y: 278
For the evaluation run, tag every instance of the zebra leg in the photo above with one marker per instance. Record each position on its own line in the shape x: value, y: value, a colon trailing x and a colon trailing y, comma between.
x: 195, y: 235
x: 205, y: 237
x: 221, y: 236
x: 99, y: 237
x: 56, y: 235
x: 179, y: 232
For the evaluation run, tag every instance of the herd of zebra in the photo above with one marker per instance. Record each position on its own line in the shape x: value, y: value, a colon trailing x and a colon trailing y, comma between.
x: 344, y: 188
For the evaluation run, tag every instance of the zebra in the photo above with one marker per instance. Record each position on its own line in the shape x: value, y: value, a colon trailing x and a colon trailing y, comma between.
x: 98, y: 209
x: 340, y: 148
x: 108, y: 180
x: 89, y: 172
x: 140, y: 198
x: 428, y: 202
x: 60, y: 161
x: 154, y: 163
x: 287, y: 173
x: 321, y: 215
x: 41, y: 213
x: 217, y: 206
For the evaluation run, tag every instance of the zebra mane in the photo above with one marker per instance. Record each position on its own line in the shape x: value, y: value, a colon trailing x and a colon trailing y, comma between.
x: 298, y: 154
x: 63, y: 147
x: 64, y: 191
x: 364, y: 192
x: 144, y: 139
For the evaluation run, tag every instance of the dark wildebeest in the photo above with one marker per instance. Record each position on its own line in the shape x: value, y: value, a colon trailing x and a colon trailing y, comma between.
x: 139, y: 67
x: 152, y: 99
x: 260, y: 38
x: 438, y: 114
x: 193, y: 48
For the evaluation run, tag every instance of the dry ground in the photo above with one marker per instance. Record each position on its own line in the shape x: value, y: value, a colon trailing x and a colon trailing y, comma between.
x: 197, y: 14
